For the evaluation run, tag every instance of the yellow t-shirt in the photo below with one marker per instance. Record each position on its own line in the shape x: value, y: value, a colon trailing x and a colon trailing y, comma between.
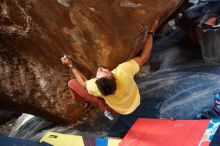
x: 126, y: 97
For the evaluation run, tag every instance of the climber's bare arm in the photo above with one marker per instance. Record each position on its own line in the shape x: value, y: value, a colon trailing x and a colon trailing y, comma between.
x: 78, y: 75
x: 145, y: 54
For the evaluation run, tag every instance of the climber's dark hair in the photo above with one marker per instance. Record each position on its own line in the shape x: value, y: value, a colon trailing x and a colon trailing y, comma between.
x: 106, y: 86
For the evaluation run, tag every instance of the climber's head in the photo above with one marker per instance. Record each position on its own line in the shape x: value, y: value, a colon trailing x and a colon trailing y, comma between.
x: 103, y: 72
x: 105, y: 81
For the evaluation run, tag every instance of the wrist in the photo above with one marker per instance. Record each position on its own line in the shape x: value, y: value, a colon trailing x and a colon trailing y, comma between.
x: 151, y: 33
x: 71, y: 66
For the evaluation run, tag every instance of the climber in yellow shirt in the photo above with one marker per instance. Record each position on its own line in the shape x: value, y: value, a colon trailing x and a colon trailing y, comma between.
x: 116, y: 90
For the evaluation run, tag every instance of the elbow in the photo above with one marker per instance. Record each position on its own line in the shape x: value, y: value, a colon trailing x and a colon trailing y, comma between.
x: 83, y: 84
x: 139, y: 60
x: 143, y: 61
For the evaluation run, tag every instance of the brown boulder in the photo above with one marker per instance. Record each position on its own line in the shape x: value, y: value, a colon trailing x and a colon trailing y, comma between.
x: 35, y: 34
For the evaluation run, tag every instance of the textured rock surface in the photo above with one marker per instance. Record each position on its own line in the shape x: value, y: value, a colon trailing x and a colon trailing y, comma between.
x: 35, y: 34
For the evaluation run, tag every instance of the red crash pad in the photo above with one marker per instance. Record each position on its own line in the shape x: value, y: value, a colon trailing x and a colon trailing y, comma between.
x: 158, y: 132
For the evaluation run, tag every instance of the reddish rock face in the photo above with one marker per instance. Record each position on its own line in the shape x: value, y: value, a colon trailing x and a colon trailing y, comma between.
x: 35, y: 34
